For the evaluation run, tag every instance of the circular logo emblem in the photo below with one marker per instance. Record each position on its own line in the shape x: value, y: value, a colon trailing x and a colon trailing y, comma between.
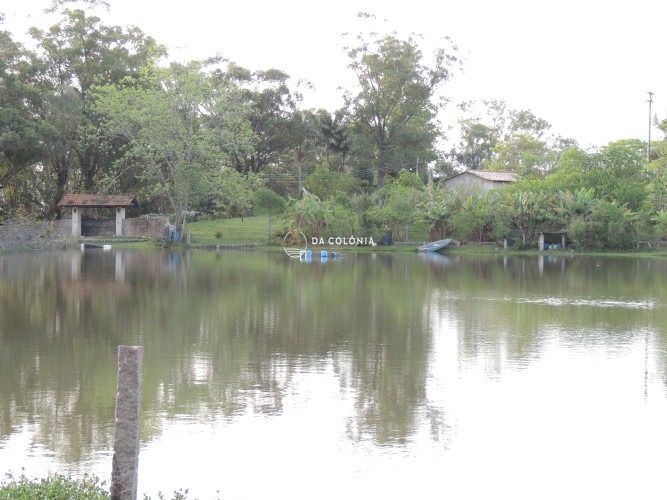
x: 295, y: 243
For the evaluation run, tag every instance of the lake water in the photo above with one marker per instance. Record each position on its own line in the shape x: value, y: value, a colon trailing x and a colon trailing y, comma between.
x: 373, y: 376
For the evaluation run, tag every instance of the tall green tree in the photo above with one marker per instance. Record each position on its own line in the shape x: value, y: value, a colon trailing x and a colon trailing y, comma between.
x: 335, y: 134
x: 165, y: 128
x: 477, y: 144
x: 494, y: 137
x: 394, y: 111
x: 20, y: 145
x: 73, y: 56
x: 270, y: 108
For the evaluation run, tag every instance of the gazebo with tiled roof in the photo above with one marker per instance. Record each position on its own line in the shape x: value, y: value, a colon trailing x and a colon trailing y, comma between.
x: 77, y: 202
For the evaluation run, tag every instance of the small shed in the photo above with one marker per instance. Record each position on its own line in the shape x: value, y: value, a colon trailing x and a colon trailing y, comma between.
x: 552, y: 240
x: 479, y: 180
x: 78, y: 202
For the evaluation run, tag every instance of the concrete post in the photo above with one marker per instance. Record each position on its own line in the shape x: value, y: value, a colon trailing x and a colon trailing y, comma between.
x: 540, y: 243
x: 120, y: 216
x: 563, y: 242
x: 76, y: 222
x: 125, y: 463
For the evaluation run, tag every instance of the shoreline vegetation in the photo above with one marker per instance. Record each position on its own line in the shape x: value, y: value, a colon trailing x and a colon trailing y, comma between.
x: 251, y: 233
x: 211, y: 139
x: 64, y: 487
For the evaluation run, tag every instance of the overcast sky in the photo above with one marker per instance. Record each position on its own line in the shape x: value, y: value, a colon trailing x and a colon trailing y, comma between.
x: 585, y: 66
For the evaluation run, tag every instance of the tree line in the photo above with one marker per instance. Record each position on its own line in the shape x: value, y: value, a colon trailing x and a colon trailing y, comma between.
x: 93, y: 107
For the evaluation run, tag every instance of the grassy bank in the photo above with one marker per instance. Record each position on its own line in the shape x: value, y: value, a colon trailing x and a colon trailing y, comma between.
x: 493, y: 250
x: 218, y: 231
x: 256, y: 230
x: 145, y: 244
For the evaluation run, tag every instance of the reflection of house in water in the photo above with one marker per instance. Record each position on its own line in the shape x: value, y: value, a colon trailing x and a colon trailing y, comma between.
x: 91, y: 270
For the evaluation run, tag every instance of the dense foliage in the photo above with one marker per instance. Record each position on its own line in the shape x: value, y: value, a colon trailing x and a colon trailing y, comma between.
x: 94, y: 107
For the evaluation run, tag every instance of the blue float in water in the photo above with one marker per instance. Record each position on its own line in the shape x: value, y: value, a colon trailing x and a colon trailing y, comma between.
x: 306, y: 256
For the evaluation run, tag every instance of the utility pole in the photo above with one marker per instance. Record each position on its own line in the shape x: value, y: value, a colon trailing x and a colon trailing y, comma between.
x: 648, y: 149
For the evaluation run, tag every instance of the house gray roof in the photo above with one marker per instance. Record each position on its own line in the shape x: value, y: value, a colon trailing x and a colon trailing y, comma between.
x: 489, y: 176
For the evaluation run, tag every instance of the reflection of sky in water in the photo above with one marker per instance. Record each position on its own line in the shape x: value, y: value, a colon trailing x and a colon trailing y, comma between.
x: 584, y: 432
x: 561, y: 301
x: 520, y: 400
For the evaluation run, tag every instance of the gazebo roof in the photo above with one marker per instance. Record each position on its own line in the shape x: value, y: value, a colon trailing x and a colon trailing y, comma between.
x: 97, y: 200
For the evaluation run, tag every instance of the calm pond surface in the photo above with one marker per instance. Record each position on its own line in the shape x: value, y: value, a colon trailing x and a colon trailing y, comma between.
x: 374, y: 376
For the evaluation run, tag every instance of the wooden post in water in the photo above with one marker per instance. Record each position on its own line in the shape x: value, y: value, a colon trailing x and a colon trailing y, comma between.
x: 125, y: 465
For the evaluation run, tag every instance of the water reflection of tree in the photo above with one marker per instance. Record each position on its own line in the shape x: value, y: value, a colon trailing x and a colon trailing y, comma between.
x: 507, y: 308
x: 230, y: 333
x: 224, y: 334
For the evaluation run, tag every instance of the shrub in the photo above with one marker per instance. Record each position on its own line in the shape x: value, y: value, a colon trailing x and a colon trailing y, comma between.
x: 56, y: 486
x: 661, y: 224
x: 60, y: 487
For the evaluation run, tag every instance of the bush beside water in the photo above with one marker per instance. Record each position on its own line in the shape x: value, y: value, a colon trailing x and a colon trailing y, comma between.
x: 61, y: 487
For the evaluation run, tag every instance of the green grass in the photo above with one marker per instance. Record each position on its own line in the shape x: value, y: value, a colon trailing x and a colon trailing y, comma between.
x: 255, y: 230
x: 60, y: 487
x: 250, y: 230
x: 55, y: 487
x: 138, y: 245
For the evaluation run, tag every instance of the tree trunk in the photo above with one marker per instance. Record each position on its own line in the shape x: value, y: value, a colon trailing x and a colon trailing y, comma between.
x: 89, y: 178
x: 178, y: 218
x: 437, y: 231
x: 381, y: 167
x: 62, y: 176
x: 88, y: 164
